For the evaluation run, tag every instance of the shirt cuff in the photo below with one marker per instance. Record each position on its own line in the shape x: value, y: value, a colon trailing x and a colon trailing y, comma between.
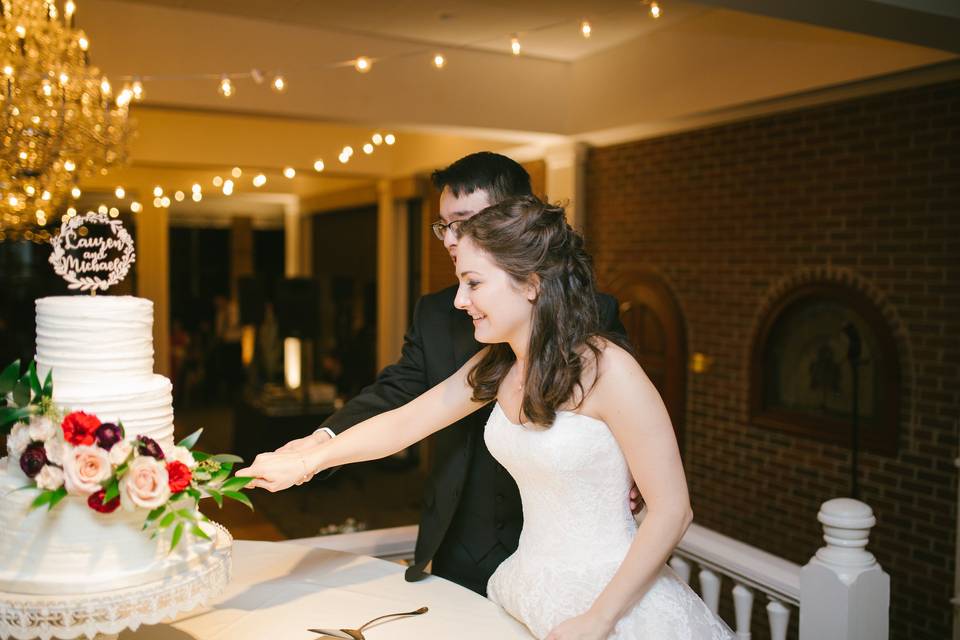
x: 326, y: 430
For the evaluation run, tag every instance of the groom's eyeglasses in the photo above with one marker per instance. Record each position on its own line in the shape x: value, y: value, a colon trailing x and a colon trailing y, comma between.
x: 440, y: 228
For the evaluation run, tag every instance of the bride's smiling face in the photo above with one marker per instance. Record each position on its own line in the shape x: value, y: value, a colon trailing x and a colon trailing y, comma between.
x: 501, y: 308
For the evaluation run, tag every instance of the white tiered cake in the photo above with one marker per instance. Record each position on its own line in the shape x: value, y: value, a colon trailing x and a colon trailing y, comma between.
x: 100, y: 350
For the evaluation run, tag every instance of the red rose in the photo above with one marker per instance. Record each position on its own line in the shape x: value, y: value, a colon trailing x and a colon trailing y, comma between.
x: 179, y: 475
x: 80, y: 428
x: 95, y: 502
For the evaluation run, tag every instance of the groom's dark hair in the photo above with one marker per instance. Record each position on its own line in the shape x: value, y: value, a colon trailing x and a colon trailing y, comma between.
x: 498, y: 175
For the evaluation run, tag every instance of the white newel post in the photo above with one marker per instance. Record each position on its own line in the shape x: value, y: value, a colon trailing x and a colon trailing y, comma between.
x: 844, y: 592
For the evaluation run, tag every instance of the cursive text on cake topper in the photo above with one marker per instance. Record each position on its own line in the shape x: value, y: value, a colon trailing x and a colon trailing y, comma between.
x: 90, y: 262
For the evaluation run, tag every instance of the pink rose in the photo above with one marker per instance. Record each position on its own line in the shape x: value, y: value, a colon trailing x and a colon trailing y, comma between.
x: 145, y: 485
x: 120, y: 452
x: 50, y: 477
x: 84, y: 469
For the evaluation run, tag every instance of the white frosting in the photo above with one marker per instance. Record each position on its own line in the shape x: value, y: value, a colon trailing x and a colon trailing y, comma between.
x: 100, y: 349
x: 73, y: 549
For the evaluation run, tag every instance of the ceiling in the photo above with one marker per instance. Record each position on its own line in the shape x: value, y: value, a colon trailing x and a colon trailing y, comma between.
x: 634, y: 74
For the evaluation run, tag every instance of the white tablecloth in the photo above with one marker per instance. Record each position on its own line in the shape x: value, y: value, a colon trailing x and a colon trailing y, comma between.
x: 279, y: 590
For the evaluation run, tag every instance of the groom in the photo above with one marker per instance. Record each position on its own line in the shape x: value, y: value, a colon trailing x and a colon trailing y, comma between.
x: 471, y: 516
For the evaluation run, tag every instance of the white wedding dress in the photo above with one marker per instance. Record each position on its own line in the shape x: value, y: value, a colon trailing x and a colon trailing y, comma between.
x: 577, y: 527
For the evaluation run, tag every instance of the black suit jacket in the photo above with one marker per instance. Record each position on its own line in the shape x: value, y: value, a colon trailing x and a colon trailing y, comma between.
x: 439, y: 341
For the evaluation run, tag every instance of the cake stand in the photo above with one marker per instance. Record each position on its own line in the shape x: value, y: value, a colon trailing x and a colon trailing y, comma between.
x: 105, y: 614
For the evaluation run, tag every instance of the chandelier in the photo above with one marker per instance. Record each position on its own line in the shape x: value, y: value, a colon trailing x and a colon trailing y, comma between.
x: 61, y: 120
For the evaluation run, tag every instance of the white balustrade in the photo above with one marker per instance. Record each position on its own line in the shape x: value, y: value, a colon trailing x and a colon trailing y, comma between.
x: 710, y: 589
x: 682, y: 567
x: 779, y: 617
x: 743, y: 610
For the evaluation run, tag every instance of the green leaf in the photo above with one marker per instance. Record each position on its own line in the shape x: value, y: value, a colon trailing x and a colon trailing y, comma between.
x: 11, y: 415
x: 200, y: 533
x: 21, y: 392
x: 35, y: 385
x: 167, y: 520
x: 239, y: 497
x: 185, y: 514
x: 57, y: 496
x: 228, y: 457
x: 177, y: 532
x: 113, y: 490
x: 200, y: 456
x: 9, y: 377
x: 153, y: 515
x: 48, y: 385
x: 191, y: 439
x: 220, y: 476
x: 42, y: 499
x: 201, y: 476
x: 193, y: 493
x: 235, y: 483
x: 216, y: 495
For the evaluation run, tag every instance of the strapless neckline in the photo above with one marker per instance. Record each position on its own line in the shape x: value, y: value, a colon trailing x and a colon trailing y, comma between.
x: 503, y: 413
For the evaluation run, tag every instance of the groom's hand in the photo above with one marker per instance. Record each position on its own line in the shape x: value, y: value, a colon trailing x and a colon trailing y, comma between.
x: 636, y: 501
x: 276, y: 471
x: 302, y: 444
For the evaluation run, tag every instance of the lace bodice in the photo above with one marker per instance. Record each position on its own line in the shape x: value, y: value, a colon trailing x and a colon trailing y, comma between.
x: 577, y: 527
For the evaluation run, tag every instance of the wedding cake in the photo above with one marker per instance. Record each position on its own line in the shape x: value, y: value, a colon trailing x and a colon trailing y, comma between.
x: 100, y: 352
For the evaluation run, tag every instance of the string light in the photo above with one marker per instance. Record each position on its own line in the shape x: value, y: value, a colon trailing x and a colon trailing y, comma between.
x: 347, y: 151
x: 377, y: 139
x: 655, y: 10
x: 259, y: 180
x: 318, y: 166
x: 226, y: 87
x: 515, y: 45
x: 196, y: 188
x: 197, y: 196
x: 256, y: 75
x: 178, y: 196
x: 136, y: 207
x: 343, y: 158
x: 137, y: 89
x: 75, y: 192
x: 586, y: 29
x: 157, y: 191
x: 289, y: 172
x: 279, y: 84
x: 439, y: 61
x: 228, y: 187
x: 157, y: 203
x: 368, y: 148
x: 69, y: 165
x: 363, y: 64
x: 217, y: 181
x: 165, y: 202
x: 103, y: 209
x: 114, y: 212
x: 236, y: 172
x: 389, y: 138
x: 120, y: 192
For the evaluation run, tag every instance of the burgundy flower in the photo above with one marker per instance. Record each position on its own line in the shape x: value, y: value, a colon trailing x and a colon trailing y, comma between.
x: 79, y: 427
x: 33, y: 458
x: 149, y: 447
x: 108, y: 434
x: 179, y: 476
x: 95, y: 502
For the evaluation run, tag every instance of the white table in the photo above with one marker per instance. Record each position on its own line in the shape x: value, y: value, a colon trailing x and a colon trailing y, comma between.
x: 279, y: 590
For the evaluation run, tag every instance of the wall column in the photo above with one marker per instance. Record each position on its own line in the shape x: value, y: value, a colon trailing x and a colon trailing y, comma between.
x: 392, y: 274
x: 565, y: 180
x: 153, y: 278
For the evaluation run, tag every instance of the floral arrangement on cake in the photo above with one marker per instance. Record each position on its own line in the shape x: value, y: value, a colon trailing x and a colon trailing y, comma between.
x: 76, y: 454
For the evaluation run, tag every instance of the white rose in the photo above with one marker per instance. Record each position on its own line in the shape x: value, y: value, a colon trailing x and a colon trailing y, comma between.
x: 145, y: 485
x: 50, y: 477
x: 180, y: 454
x: 42, y: 428
x: 18, y: 440
x: 120, y: 451
x: 54, y: 448
x: 85, y: 467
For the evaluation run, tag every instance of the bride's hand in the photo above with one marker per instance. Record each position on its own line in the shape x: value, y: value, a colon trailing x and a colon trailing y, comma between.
x: 582, y: 627
x: 302, y: 444
x: 278, y: 470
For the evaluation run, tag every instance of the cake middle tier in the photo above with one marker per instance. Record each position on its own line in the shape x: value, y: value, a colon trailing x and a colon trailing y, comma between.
x: 144, y: 404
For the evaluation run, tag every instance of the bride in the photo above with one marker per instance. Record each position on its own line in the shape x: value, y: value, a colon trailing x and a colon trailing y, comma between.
x: 576, y: 423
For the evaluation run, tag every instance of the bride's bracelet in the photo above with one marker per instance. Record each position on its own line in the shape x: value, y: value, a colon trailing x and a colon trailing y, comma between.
x: 306, y: 474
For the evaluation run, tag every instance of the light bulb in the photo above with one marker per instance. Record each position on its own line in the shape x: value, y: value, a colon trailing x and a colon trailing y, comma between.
x: 69, y: 8
x: 585, y: 29
x: 654, y: 9
x: 390, y: 138
x: 368, y: 148
x: 347, y: 151
x: 279, y: 84
x: 137, y: 89
x: 30, y: 190
x: 259, y: 180
x: 165, y: 201
x: 439, y: 61
x: 318, y: 165
x: 289, y: 172
x: 196, y: 187
x: 69, y: 165
x: 343, y: 158
x: 21, y: 31
x: 8, y: 70
x: 178, y: 196
x: 75, y: 192
x: 114, y: 212
x: 63, y: 78
x: 103, y: 209
x: 363, y: 64
x: 515, y: 45
x: 45, y: 196
x: 197, y: 196
x: 226, y: 87
x: 71, y: 212
x: 157, y: 191
x: 227, y: 187
x: 236, y: 172
x: 83, y: 43
x: 120, y: 192
x: 217, y: 181
x: 105, y: 87
x: 377, y: 139
x: 136, y: 207
x: 157, y: 203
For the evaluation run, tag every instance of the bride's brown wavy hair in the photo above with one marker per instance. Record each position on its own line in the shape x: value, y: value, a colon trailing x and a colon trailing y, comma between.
x: 527, y: 237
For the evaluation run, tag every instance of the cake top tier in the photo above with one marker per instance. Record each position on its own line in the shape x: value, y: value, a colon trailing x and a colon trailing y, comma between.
x: 94, y: 338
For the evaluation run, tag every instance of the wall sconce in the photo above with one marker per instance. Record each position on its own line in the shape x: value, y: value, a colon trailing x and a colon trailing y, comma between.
x: 700, y: 363
x: 291, y: 362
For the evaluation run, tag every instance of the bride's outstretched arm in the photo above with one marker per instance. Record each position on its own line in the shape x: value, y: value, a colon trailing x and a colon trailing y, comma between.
x: 631, y: 406
x: 377, y: 437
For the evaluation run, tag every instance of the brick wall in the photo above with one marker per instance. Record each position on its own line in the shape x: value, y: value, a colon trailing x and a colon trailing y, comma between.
x: 864, y: 192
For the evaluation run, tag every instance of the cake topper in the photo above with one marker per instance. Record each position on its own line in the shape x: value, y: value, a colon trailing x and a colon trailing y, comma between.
x: 89, y: 261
